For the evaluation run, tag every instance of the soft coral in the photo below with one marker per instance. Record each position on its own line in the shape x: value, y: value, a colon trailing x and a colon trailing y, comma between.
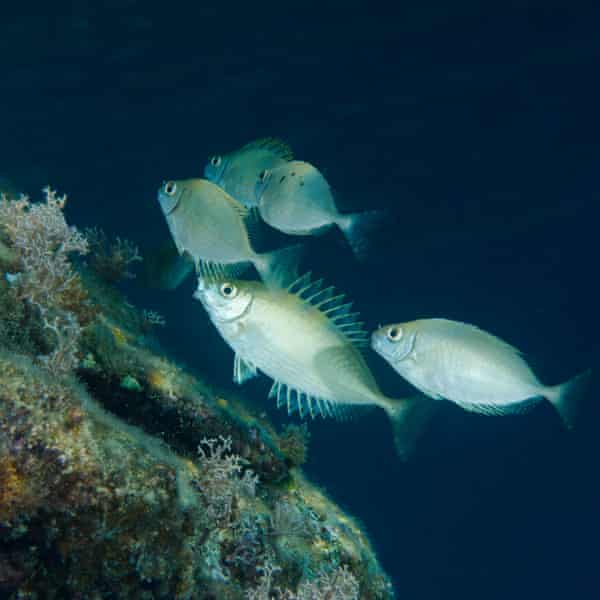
x: 43, y: 241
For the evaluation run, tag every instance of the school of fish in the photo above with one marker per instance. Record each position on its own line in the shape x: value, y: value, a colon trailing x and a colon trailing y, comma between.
x: 303, y: 334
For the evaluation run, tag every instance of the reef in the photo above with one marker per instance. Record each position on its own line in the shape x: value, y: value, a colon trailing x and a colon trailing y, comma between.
x: 125, y: 475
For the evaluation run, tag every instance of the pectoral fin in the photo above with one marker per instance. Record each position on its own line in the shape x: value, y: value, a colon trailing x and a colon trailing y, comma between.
x: 243, y: 370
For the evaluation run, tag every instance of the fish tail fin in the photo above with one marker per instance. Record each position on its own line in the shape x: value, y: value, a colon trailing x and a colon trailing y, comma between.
x: 567, y: 397
x: 409, y: 418
x: 358, y: 227
x: 279, y: 267
x: 165, y: 269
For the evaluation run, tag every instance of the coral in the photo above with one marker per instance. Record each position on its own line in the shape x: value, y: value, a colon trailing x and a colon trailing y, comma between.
x: 112, y: 260
x: 293, y: 443
x: 222, y: 478
x: 43, y: 242
x: 265, y: 585
x: 150, y: 319
x: 288, y: 521
x: 336, y: 584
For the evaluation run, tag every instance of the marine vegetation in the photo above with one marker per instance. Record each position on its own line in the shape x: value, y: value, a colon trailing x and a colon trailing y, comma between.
x: 124, y: 474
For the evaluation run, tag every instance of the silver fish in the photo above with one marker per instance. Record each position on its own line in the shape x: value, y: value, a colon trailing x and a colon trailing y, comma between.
x: 305, y: 338
x: 209, y: 226
x: 295, y: 198
x: 238, y: 171
x: 465, y: 365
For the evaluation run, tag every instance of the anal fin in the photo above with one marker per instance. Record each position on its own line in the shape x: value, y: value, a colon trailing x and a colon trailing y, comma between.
x: 295, y: 400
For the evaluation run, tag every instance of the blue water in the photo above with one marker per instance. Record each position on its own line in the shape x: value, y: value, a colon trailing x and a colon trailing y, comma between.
x: 475, y: 126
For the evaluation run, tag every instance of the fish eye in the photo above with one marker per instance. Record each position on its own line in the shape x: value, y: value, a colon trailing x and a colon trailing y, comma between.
x: 170, y: 188
x: 228, y: 290
x: 215, y: 161
x: 394, y: 333
x: 264, y: 175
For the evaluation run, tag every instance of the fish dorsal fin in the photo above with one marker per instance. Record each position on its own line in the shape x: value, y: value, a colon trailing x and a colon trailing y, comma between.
x: 243, y: 369
x: 295, y: 400
x: 274, y: 145
x: 254, y: 228
x: 331, y: 305
x: 239, y: 208
x: 213, y: 271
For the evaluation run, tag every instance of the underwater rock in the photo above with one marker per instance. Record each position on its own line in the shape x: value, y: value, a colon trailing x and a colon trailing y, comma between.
x: 164, y: 489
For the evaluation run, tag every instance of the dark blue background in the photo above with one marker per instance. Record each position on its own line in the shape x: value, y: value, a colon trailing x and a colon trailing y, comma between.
x: 475, y: 124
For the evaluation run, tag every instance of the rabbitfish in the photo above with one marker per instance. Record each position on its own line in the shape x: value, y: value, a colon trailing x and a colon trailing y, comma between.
x: 304, y: 338
x: 238, y: 171
x: 295, y: 198
x: 479, y: 372
x: 208, y: 226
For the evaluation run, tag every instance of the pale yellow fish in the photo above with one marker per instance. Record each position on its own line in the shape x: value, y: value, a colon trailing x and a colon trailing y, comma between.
x: 209, y: 226
x: 306, y: 339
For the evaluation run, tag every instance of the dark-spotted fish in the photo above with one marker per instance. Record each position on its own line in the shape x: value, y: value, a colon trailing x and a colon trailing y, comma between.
x: 237, y: 172
x: 295, y: 198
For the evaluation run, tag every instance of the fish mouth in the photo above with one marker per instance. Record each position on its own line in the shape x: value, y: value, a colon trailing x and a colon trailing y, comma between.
x: 375, y: 339
x: 378, y: 339
x: 167, y: 203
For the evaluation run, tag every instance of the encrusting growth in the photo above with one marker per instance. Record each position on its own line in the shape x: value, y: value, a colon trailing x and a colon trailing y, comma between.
x: 45, y: 278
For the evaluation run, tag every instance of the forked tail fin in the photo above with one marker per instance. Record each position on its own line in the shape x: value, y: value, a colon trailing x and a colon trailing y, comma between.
x: 280, y: 267
x: 409, y: 418
x: 359, y: 228
x: 567, y: 397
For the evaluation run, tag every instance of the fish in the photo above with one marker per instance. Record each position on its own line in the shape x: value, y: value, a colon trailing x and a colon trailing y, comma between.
x: 295, y: 198
x: 450, y: 360
x: 238, y: 171
x: 307, y: 339
x: 209, y: 226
